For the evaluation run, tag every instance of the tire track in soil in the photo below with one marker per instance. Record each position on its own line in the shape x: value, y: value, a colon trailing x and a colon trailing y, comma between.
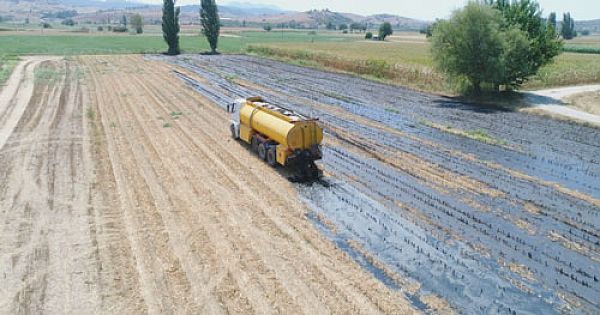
x: 119, y: 281
x: 138, y: 126
x: 185, y: 184
x: 164, y: 288
x: 44, y: 256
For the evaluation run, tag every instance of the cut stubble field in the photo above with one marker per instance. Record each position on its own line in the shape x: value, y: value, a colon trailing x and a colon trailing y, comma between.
x: 588, y: 102
x: 106, y: 210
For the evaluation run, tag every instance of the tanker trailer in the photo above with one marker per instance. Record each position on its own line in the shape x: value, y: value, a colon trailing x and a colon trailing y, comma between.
x: 279, y: 136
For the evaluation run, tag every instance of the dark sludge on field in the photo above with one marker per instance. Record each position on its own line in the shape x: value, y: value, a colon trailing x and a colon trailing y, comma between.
x: 510, y: 227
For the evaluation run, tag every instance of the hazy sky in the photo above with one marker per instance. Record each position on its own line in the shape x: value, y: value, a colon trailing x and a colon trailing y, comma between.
x: 421, y: 9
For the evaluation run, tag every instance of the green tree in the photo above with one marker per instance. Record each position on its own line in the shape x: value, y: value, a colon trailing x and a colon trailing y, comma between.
x: 470, y: 45
x: 568, y: 31
x: 170, y: 26
x: 268, y: 27
x: 68, y: 22
x: 430, y: 27
x: 137, y: 23
x: 516, y: 63
x: 369, y: 35
x: 211, y: 25
x: 124, y: 20
x: 356, y: 27
x: 385, y: 30
x: 343, y: 27
x: 552, y: 20
x: 545, y: 44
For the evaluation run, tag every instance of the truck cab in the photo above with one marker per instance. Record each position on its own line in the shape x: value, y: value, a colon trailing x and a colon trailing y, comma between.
x: 234, y: 110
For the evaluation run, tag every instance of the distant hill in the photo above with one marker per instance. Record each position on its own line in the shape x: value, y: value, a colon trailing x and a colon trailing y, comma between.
x: 592, y: 26
x: 251, y: 9
x: 320, y: 19
x: 323, y: 17
x: 108, y: 4
x: 397, y: 22
x: 233, y: 14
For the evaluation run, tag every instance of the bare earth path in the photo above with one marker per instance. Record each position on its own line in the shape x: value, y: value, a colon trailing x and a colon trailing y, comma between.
x: 118, y: 195
x: 551, y: 101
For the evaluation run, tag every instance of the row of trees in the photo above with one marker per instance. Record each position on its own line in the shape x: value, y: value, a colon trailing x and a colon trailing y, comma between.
x: 136, y: 21
x: 385, y: 30
x: 209, y: 18
x: 494, y: 43
x: 567, y: 30
x: 345, y: 27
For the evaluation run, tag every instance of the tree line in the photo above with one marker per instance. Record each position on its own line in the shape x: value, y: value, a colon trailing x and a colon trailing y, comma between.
x: 209, y: 18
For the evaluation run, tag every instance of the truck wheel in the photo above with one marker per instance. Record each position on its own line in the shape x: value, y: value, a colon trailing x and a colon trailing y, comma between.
x: 272, y: 156
x: 233, y: 132
x: 254, y: 144
x: 262, y: 151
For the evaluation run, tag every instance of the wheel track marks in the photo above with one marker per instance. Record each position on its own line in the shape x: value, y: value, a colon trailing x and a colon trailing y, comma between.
x: 164, y: 288
x: 118, y: 279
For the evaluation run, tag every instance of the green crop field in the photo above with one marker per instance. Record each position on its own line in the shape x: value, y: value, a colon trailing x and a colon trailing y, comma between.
x: 568, y: 69
x: 408, y: 53
x: 411, y: 64
x: 584, y: 45
x: 404, y: 60
x: 64, y: 43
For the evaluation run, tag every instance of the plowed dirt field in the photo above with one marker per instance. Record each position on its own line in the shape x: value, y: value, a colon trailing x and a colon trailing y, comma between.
x: 121, y: 192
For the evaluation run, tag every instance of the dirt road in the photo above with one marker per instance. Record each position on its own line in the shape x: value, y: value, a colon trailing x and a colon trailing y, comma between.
x: 492, y: 210
x: 121, y: 192
x: 552, y: 101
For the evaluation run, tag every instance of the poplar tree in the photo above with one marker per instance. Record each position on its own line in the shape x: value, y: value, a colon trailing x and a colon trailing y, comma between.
x: 552, y: 20
x: 170, y: 26
x: 211, y: 25
x: 568, y: 27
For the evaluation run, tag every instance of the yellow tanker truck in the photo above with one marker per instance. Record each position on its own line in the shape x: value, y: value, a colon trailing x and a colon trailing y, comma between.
x: 279, y: 135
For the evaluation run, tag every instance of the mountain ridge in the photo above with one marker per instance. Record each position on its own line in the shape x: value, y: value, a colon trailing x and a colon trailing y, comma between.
x: 237, y: 13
